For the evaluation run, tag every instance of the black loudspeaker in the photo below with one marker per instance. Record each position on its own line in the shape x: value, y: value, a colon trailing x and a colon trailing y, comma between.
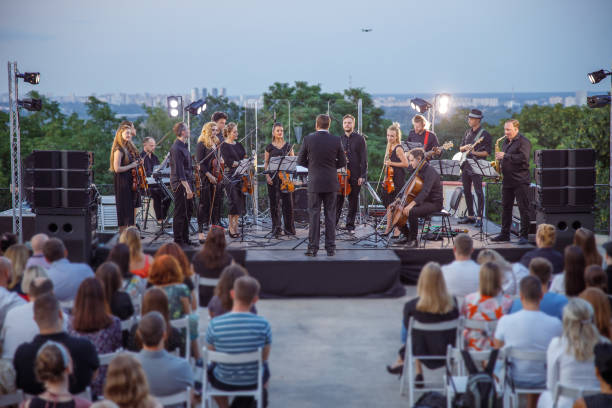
x: 77, y: 230
x: 566, y: 225
x: 48, y: 178
x: 570, y: 176
x: 59, y: 159
x: 581, y: 158
x: 60, y: 197
x: 550, y: 158
x: 565, y: 199
x: 300, y: 205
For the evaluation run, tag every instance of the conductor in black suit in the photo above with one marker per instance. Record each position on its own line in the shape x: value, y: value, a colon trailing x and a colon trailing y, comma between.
x: 322, y: 154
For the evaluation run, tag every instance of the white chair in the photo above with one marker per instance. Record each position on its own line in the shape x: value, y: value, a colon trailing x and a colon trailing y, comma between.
x: 105, y: 359
x: 487, y: 327
x: 12, y: 399
x: 513, y: 353
x: 208, y: 391
x: 562, y: 390
x: 85, y: 394
x: 205, y: 282
x: 183, y: 397
x: 409, y: 357
x: 126, y: 325
x: 183, y: 323
x: 67, y: 306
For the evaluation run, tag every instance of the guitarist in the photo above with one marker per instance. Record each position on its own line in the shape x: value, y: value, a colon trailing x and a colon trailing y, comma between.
x: 480, y: 151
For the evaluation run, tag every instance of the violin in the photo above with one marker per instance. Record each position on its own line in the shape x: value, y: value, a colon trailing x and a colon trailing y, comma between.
x: 134, y: 179
x: 142, y: 178
x: 345, y: 186
x: 388, y: 184
x: 286, y: 185
x: 217, y: 169
x: 247, y: 183
x: 198, y: 181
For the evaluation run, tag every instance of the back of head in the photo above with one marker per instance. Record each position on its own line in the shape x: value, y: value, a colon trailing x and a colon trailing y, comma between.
x: 155, y: 299
x: 431, y: 290
x: 579, y: 329
x: 51, y: 363
x: 5, y: 268
x: 601, y: 307
x: 246, y: 289
x: 110, y: 277
x: 126, y: 382
x: 417, y: 153
x: 40, y: 286
x: 603, y: 361
x: 91, y: 312
x: 226, y: 282
x: 151, y: 329
x: 595, y: 276
x: 174, y: 250
x: 463, y: 245
x: 131, y: 237
x: 585, y: 239
x: 165, y: 270
x: 18, y: 255
x: 54, y: 249
x: 490, y: 279
x: 6, y: 240
x: 38, y: 242
x: 491, y: 255
x: 531, y: 289
x: 46, y: 311
x: 541, y: 268
x: 30, y: 274
x: 323, y: 121
x: 574, y: 266
x: 120, y: 254
x: 546, y: 235
x: 213, y: 250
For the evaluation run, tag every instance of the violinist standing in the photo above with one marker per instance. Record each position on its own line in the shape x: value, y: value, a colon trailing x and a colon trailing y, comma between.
x: 354, y: 146
x: 206, y: 154
x: 123, y: 159
x: 396, y: 162
x: 181, y: 182
x: 232, y: 152
x: 279, y: 147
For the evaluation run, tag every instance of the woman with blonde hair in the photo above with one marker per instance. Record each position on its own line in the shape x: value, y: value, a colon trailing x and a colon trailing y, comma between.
x: 210, y: 195
x: 33, y: 272
x: 126, y: 384
x: 396, y: 163
x: 569, y: 359
x: 232, y: 152
x: 546, y: 237
x: 18, y: 254
x: 433, y: 304
x: 511, y: 273
x: 124, y: 158
x: 139, y: 261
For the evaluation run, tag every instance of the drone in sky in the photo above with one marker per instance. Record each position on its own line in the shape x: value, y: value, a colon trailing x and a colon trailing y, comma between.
x: 366, y: 30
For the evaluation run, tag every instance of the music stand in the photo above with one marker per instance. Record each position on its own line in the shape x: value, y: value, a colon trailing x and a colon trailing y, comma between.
x: 484, y: 169
x: 376, y: 236
x: 446, y: 167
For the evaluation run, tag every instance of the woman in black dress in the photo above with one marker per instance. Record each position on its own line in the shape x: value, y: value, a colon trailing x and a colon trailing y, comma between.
x: 124, y: 157
x: 206, y: 152
x: 232, y: 152
x: 395, y: 158
x: 279, y: 147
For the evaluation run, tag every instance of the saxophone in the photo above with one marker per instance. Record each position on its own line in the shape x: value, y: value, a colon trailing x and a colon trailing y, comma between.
x: 495, y: 163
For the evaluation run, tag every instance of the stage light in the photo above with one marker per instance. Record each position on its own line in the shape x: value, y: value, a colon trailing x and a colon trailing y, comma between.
x: 197, y: 107
x: 443, y: 103
x: 30, y: 104
x: 597, y: 76
x: 30, y: 77
x: 598, y: 101
x: 420, y: 105
x: 175, y: 105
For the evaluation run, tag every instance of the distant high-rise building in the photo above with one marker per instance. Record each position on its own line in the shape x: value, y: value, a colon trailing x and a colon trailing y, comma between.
x: 223, y: 92
x: 204, y: 92
x: 215, y: 92
x: 195, y: 94
x: 569, y: 101
x: 581, y: 98
x: 553, y: 100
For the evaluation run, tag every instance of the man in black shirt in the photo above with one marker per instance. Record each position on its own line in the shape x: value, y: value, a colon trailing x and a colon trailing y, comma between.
x: 50, y: 321
x: 429, y: 200
x: 181, y: 181
x: 354, y: 147
x: 480, y: 152
x: 150, y: 160
x: 514, y: 162
x: 419, y: 134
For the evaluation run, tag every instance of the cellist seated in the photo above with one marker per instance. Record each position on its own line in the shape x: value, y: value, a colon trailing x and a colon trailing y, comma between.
x: 419, y: 203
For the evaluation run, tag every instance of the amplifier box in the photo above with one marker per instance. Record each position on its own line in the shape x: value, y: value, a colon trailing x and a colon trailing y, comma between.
x: 569, y: 176
x: 62, y: 178
x: 60, y: 197
x: 59, y: 159
x: 550, y: 158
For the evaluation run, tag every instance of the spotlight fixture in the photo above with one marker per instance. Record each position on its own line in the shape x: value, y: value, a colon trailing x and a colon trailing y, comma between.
x: 598, y: 76
x: 443, y: 103
x: 197, y: 107
x: 598, y: 101
x: 420, y: 105
x: 175, y: 105
x: 31, y: 104
x: 30, y: 77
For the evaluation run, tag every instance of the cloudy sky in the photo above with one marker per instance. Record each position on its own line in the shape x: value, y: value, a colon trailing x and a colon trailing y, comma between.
x: 137, y: 46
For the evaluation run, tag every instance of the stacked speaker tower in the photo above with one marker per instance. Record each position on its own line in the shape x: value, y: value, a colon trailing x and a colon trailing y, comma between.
x: 59, y: 187
x: 565, y: 196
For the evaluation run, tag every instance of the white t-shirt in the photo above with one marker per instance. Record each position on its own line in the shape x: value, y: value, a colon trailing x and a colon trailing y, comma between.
x: 461, y: 278
x: 517, y: 330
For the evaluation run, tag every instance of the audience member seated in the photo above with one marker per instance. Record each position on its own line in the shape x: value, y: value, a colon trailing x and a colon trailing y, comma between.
x: 49, y: 318
x: 511, y: 273
x: 569, y: 359
x: 90, y: 320
x: 126, y: 384
x: 8, y: 300
x: 19, y: 325
x: 29, y: 275
x: 18, y: 254
x: 603, y: 372
x: 433, y: 304
x: 545, y: 242
x: 595, y: 277
x: 65, y: 275
x: 38, y: 258
x: 239, y: 332
x: 120, y: 302
x: 571, y: 282
x: 166, y: 374
x: 6, y: 240
x: 139, y: 261
x: 517, y: 331
x: 166, y: 274
x: 489, y: 304
x: 155, y: 300
x: 585, y: 239
x: 7, y: 377
x: 552, y: 303
x: 461, y: 275
x: 210, y: 261
x: 133, y: 285
x: 52, y: 368
x: 601, y: 307
x: 608, y: 251
x: 221, y: 302
x: 174, y: 250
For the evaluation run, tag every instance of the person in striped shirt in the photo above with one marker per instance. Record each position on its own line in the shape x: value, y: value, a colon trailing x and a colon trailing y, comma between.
x: 239, y: 331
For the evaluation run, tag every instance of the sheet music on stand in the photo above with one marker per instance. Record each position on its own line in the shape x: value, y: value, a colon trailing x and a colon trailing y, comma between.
x: 282, y: 163
x: 446, y: 167
x: 243, y: 167
x: 483, y: 168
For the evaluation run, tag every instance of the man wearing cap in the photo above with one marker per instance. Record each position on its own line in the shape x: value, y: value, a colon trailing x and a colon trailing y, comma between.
x: 468, y: 177
x: 608, y: 248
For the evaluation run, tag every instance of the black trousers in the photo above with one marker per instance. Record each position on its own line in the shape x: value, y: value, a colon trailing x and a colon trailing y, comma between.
x: 314, y: 215
x: 183, y: 208
x: 468, y: 179
x: 418, y: 211
x: 353, y: 202
x: 209, y: 207
x: 278, y: 200
x: 521, y: 192
x: 160, y: 202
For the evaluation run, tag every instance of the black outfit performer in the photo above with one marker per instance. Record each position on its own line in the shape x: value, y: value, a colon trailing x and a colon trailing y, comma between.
x: 205, y: 157
x: 357, y: 163
x: 322, y: 154
x: 428, y: 139
x: 181, y: 170
x: 399, y: 177
x: 467, y: 175
x: 160, y: 205
x: 126, y: 199
x: 231, y: 153
x: 515, y: 183
x: 278, y: 197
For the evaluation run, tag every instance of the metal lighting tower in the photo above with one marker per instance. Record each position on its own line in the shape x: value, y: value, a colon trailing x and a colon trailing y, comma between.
x: 15, y: 137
